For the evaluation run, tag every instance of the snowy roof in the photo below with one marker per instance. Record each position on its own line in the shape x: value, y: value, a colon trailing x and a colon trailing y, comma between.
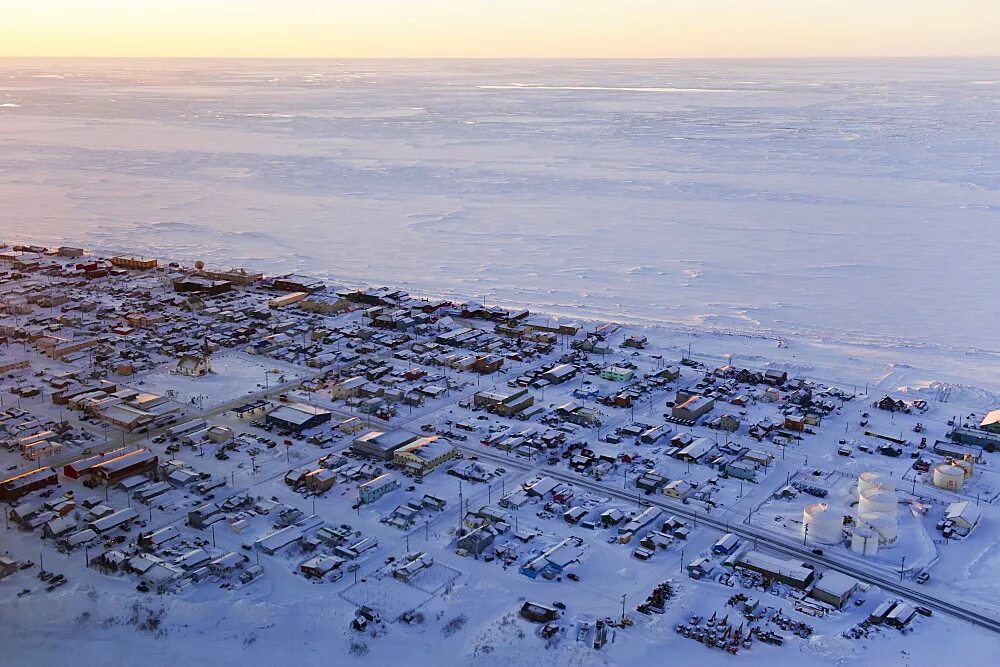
x: 297, y: 413
x: 965, y: 510
x: 836, y: 583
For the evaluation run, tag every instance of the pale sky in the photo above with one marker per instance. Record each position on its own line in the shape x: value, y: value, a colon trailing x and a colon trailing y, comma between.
x: 499, y: 28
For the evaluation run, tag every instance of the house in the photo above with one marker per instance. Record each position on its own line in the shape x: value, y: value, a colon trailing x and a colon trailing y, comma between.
x: 637, y: 341
x: 8, y: 566
x: 320, y: 480
x: 834, y: 588
x: 555, y: 559
x: 699, y: 567
x: 964, y: 516
x: 487, y: 364
x: 678, y: 488
x: 374, y: 489
x: 775, y: 378
x: 205, y: 515
x: 891, y: 404
x: 575, y: 413
x: 728, y: 422
x: 741, y: 469
x: 726, y: 545
x: 637, y: 523
x: 114, y: 520
x: 157, y: 538
x: 611, y: 517
x: 477, y: 541
x: 320, y: 566
x: 59, y: 526
x: 412, y: 565
x: 697, y: 451
x: 617, y: 374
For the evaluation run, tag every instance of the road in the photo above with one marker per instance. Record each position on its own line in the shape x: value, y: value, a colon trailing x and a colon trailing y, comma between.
x: 758, y: 535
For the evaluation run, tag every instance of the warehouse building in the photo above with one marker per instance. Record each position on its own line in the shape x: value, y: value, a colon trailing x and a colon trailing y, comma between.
x: 382, y: 445
x: 136, y: 462
x: 693, y: 408
x: 24, y: 483
x: 786, y: 571
x: 834, y: 588
x: 560, y: 374
x: 297, y: 417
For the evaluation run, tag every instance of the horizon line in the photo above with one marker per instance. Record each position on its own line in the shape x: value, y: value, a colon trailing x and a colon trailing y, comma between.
x: 533, y: 58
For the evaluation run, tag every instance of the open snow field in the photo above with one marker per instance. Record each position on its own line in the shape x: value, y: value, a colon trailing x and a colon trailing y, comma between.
x: 854, y: 199
x: 235, y: 374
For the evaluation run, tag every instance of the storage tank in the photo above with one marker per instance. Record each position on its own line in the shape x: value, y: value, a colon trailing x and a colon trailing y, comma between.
x: 882, y: 523
x: 947, y: 476
x: 874, y: 480
x: 864, y: 540
x: 968, y: 466
x: 878, y: 500
x: 824, y: 524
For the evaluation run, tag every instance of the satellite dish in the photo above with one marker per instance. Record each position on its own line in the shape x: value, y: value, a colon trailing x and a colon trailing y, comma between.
x: 199, y: 265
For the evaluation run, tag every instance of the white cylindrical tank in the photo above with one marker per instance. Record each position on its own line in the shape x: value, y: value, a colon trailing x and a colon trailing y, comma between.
x: 874, y: 480
x: 824, y: 524
x: 878, y: 500
x: 883, y: 524
x: 947, y: 476
x: 864, y: 540
x: 968, y: 466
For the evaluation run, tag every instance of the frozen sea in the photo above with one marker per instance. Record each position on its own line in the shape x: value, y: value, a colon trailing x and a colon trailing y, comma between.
x: 849, y: 200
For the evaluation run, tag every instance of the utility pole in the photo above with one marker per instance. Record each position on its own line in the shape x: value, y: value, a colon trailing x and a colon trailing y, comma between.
x: 623, y: 606
x: 902, y: 564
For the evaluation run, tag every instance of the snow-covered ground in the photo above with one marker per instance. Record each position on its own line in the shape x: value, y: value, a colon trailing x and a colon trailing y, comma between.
x: 234, y: 374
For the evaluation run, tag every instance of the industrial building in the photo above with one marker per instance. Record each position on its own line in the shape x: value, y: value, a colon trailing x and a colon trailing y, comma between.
x: 382, y: 445
x: 298, y: 283
x: 693, y: 407
x: 786, y: 571
x: 297, y: 417
x: 560, y: 374
x: 134, y: 263
x: 136, y: 462
x: 24, y: 483
x: 834, y: 588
